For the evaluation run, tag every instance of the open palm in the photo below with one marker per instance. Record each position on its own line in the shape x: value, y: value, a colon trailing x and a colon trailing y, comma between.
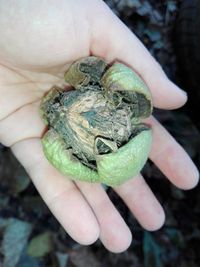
x: 39, y: 40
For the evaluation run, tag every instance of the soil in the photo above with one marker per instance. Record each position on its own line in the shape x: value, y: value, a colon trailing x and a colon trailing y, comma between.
x: 26, y: 222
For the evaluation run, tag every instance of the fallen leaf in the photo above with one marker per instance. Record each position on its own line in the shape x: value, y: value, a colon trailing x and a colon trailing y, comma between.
x: 14, y: 241
x: 62, y: 259
x: 28, y: 261
x: 40, y: 245
x: 151, y: 251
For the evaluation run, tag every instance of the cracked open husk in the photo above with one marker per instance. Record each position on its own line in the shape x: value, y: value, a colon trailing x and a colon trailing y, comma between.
x: 96, y: 133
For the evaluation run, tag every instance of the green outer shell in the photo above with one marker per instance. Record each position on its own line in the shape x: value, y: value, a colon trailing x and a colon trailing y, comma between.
x: 126, y: 162
x: 119, y: 77
x: 112, y: 169
x: 62, y: 159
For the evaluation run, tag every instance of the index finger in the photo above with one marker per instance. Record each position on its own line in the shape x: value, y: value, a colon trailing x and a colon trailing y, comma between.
x: 171, y: 158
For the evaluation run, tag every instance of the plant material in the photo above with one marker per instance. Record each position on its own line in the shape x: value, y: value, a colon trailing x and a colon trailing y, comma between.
x: 95, y: 131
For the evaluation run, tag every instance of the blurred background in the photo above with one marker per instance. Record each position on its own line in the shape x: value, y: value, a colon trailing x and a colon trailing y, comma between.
x: 29, y: 234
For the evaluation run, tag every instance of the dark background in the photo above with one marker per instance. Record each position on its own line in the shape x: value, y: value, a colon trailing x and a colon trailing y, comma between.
x: 31, y: 237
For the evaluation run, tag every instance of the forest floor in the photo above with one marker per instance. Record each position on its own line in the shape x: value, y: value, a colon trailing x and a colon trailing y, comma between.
x: 31, y: 237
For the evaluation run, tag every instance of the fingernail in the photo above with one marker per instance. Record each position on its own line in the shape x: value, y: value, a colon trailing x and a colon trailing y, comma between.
x: 180, y: 90
x: 183, y: 92
x: 182, y: 95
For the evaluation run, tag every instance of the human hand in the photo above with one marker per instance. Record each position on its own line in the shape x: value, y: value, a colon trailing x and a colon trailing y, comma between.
x: 39, y: 40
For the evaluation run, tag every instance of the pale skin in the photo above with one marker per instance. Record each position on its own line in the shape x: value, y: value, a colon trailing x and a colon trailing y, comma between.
x: 39, y: 39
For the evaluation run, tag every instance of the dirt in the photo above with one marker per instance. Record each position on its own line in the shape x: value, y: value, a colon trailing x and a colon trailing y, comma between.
x: 175, y: 244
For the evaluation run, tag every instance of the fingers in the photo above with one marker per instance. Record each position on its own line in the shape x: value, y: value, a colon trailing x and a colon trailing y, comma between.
x: 60, y: 194
x: 114, y: 233
x: 19, y: 88
x: 26, y: 122
x: 171, y: 158
x: 117, y: 42
x: 68, y: 204
x: 141, y: 201
x: 16, y: 91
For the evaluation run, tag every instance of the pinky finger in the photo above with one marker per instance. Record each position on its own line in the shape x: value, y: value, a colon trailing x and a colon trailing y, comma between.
x: 142, y: 203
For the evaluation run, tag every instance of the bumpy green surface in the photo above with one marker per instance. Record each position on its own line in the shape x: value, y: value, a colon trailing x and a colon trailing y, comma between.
x: 126, y: 162
x: 120, y: 77
x: 64, y: 161
x: 113, y: 169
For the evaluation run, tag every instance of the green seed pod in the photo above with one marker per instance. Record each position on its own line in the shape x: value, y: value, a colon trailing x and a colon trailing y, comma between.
x: 96, y: 133
x: 121, y: 78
